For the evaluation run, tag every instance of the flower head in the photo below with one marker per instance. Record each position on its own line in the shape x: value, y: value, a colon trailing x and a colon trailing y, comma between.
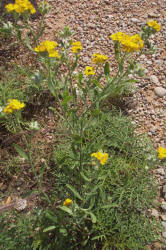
x: 161, y: 153
x: 46, y: 46
x: 67, y: 202
x: 89, y: 71
x: 102, y: 157
x: 128, y: 43
x: 76, y: 47
x: 13, y: 104
x: 99, y: 58
x: 119, y: 36
x: 21, y: 6
x: 153, y: 24
x: 49, y: 47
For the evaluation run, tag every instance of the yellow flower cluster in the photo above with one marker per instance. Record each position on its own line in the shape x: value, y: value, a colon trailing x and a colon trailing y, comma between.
x: 128, y: 43
x: 67, y: 202
x: 162, y: 153
x: 76, y: 47
x: 89, y: 71
x: 50, y: 47
x: 153, y: 24
x: 13, y: 104
x: 21, y: 6
x: 102, y: 157
x: 99, y: 58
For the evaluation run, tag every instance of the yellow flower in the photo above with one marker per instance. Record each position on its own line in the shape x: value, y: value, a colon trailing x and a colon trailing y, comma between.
x: 13, y: 104
x: 50, y: 47
x: 10, y: 7
x: 54, y: 53
x: 77, y: 46
x: 46, y: 46
x: 128, y: 43
x: 161, y: 153
x: 99, y: 58
x: 118, y: 36
x: 67, y: 202
x: 21, y: 6
x: 89, y: 71
x: 102, y: 157
x: 153, y: 24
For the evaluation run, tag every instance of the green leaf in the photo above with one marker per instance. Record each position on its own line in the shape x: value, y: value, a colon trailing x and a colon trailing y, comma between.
x: 21, y: 152
x: 74, y: 192
x: 110, y: 205
x: 67, y: 210
x: 52, y: 217
x: 107, y: 68
x: 84, y: 177
x: 97, y: 83
x: 77, y: 139
x: 93, y: 217
x: 50, y: 228
x: 28, y: 43
x: 63, y: 231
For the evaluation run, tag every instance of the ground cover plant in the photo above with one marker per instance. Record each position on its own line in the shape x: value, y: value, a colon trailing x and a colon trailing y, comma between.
x: 99, y: 168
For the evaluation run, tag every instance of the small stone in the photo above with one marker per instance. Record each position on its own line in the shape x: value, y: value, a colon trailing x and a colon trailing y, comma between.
x: 160, y: 171
x: 152, y: 130
x: 134, y: 20
x: 152, y: 14
x: 154, y: 79
x: 91, y: 25
x: 163, y: 206
x: 159, y: 91
x: 149, y: 62
x: 164, y: 234
x: 164, y: 189
x: 163, y: 217
x: 155, y: 213
x: 164, y: 224
x: 85, y: 59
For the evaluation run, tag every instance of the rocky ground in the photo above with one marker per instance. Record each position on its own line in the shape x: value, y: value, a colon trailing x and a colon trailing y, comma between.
x: 93, y: 21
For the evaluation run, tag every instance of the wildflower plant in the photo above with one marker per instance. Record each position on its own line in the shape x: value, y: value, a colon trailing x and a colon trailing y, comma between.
x: 80, y: 95
x: 100, y: 182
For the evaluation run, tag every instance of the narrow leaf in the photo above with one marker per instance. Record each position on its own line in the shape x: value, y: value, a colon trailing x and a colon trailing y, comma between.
x: 74, y: 192
x: 67, y: 210
x: 93, y: 217
x: 50, y: 228
x: 107, y: 68
x: 21, y: 152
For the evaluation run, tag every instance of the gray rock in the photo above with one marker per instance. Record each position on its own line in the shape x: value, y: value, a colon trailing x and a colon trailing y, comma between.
x: 134, y: 20
x: 164, y: 234
x: 164, y: 189
x: 159, y: 91
x: 163, y: 217
x: 155, y: 213
x: 154, y: 79
x: 91, y: 25
x: 163, y: 206
x: 163, y: 224
x: 160, y: 171
x: 152, y: 14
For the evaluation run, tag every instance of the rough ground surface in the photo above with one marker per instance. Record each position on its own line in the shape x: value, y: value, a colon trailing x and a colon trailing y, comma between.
x: 93, y: 21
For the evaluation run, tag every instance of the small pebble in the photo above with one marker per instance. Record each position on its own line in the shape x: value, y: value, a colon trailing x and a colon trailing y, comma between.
x: 159, y: 91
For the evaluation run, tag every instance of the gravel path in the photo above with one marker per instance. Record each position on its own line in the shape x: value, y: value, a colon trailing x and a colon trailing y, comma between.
x: 93, y: 21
